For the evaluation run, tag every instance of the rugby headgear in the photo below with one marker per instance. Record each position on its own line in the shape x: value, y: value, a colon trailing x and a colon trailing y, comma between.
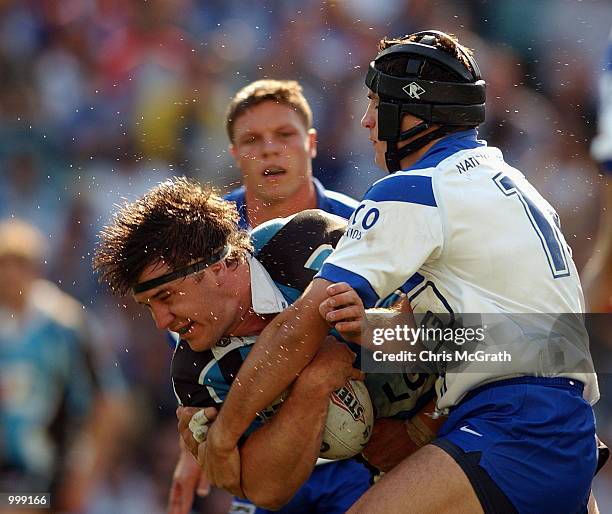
x: 453, y: 105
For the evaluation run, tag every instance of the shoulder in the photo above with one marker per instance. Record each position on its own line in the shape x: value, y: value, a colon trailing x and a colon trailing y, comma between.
x: 334, y: 202
x: 341, y: 204
x: 300, y: 228
x: 59, y: 307
x: 235, y: 195
x: 413, y: 186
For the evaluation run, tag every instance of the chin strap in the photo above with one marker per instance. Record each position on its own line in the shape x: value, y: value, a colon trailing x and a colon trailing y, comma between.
x: 394, y: 155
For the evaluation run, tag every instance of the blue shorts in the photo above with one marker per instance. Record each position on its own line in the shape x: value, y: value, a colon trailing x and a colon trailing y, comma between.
x: 331, y: 489
x: 526, y: 444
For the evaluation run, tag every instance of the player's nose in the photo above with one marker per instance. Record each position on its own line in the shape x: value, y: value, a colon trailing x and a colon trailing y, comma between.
x: 162, y: 317
x: 270, y: 146
x: 368, y: 120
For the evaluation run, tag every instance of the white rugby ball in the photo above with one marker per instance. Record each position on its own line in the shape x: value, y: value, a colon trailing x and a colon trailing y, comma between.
x: 350, y: 418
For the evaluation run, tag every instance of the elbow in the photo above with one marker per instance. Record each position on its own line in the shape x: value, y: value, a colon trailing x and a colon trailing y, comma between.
x: 268, y: 499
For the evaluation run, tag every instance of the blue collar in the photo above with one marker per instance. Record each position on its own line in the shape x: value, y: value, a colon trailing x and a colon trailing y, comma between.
x: 447, y: 146
x: 238, y: 196
x: 322, y: 200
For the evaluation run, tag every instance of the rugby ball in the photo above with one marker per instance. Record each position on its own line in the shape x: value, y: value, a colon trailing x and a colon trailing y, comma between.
x: 350, y: 418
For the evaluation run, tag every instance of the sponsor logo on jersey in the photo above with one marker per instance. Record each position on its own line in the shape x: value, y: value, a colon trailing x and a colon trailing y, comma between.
x: 223, y: 342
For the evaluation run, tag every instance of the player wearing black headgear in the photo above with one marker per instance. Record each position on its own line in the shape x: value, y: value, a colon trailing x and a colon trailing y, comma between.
x: 432, y: 77
x: 454, y: 227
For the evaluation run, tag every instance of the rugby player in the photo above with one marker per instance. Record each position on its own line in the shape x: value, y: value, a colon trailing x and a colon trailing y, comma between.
x: 469, y: 234
x: 229, y: 292
x: 273, y: 141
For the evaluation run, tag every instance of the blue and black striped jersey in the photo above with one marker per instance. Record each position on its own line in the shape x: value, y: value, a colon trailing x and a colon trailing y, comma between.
x: 291, y: 251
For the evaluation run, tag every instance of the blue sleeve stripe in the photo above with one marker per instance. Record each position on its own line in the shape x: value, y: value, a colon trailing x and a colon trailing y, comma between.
x: 412, y: 282
x: 403, y: 188
x: 361, y: 285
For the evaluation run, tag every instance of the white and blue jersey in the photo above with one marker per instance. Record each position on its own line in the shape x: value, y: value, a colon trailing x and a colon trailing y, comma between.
x: 465, y: 233
x: 602, y: 144
x: 328, y: 201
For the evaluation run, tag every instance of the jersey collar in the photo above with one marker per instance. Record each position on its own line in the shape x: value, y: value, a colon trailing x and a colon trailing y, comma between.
x: 266, y: 298
x: 447, y: 146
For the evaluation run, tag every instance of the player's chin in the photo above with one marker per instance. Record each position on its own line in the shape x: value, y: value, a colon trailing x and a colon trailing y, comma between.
x: 198, y: 342
x: 379, y: 160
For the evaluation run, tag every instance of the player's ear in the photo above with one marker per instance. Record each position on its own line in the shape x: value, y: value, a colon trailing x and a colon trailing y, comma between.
x: 312, y: 142
x: 219, y: 271
x: 232, y: 150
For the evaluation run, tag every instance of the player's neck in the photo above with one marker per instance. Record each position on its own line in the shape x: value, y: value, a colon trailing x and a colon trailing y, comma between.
x: 248, y: 322
x: 406, y: 162
x: 251, y: 324
x: 260, y: 210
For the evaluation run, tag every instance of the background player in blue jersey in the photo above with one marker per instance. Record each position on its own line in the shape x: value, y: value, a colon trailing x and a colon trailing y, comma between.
x: 236, y: 297
x: 272, y: 140
x: 469, y: 234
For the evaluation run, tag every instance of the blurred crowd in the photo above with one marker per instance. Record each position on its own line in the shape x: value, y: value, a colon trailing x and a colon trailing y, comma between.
x: 101, y: 99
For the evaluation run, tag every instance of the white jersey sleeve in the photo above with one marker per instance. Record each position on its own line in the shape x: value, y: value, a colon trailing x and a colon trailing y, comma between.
x: 395, y: 230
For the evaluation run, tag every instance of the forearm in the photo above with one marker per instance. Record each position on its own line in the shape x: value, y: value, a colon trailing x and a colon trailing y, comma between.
x: 282, y: 351
x: 287, y: 448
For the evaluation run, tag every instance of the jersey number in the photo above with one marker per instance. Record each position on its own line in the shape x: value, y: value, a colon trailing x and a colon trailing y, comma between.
x: 549, y: 233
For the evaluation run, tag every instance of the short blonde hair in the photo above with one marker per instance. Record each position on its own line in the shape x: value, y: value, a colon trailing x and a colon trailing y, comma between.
x: 21, y: 239
x: 287, y: 92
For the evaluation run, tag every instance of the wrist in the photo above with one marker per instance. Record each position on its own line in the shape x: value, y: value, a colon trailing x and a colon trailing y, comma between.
x: 307, y: 384
x: 224, y: 439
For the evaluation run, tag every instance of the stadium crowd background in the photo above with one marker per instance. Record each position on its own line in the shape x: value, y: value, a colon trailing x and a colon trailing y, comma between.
x: 101, y: 99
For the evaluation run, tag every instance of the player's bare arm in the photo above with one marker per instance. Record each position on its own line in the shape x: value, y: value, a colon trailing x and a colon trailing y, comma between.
x: 282, y: 351
x: 187, y: 479
x: 287, y: 446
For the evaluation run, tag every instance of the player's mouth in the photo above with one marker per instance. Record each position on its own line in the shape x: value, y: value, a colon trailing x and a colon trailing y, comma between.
x: 274, y: 171
x: 185, y: 329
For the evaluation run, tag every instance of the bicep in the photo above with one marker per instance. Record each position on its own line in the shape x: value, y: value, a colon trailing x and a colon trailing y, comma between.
x: 303, y: 317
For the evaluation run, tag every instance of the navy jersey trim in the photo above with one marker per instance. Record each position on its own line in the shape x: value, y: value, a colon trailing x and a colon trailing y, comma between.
x: 492, y: 499
x: 447, y: 146
x: 364, y: 289
x: 339, y: 204
x: 238, y: 196
x: 411, y: 283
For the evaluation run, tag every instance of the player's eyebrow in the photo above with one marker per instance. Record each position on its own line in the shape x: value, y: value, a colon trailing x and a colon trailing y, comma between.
x: 152, y: 297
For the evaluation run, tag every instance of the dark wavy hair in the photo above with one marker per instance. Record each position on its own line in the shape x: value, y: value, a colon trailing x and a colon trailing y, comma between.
x: 178, y: 222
